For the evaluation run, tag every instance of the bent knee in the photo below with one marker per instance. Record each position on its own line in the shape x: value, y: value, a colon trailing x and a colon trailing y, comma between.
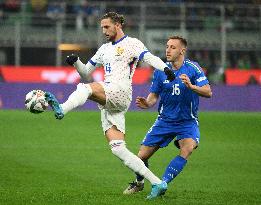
x: 84, y: 88
x: 143, y: 156
x: 146, y: 152
x: 186, y: 151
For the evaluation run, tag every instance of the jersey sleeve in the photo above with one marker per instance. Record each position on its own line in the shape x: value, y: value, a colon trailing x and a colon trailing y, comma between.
x: 97, y: 58
x: 200, y: 78
x: 156, y: 83
x: 138, y: 49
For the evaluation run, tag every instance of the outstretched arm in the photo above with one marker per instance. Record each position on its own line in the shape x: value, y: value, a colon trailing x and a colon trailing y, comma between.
x: 157, y: 63
x: 83, y: 69
x: 145, y: 103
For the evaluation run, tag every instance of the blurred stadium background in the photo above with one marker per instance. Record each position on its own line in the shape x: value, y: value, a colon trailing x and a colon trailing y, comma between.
x: 45, y: 161
x: 224, y: 37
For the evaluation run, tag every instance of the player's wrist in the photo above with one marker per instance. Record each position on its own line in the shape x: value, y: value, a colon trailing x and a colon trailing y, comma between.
x: 150, y: 104
x: 193, y: 87
x: 77, y: 63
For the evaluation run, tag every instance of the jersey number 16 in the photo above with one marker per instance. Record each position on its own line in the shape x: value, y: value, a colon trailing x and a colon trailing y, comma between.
x: 176, y: 90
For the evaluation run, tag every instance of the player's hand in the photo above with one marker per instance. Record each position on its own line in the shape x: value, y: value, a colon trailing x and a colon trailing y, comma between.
x: 141, y: 102
x: 170, y: 74
x: 185, y: 79
x: 71, y: 59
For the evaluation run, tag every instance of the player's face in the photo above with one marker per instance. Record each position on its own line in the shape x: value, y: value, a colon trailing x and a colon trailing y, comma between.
x: 109, y: 29
x: 174, y: 49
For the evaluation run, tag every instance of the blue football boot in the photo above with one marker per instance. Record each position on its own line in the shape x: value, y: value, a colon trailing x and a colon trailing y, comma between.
x: 53, y: 102
x: 158, y: 190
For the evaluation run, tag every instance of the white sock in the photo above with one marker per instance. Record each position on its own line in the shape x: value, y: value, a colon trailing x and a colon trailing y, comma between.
x: 120, y: 150
x: 77, y: 98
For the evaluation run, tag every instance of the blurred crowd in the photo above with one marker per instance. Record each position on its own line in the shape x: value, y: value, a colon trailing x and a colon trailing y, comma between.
x: 84, y: 13
x: 44, y: 12
x: 235, y: 59
x: 85, y: 9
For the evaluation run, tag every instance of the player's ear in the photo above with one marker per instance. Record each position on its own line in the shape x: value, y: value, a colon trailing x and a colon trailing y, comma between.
x: 118, y: 25
x: 183, y: 51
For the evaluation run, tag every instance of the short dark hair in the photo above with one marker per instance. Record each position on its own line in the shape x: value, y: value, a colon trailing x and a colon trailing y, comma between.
x: 115, y: 17
x: 180, y: 38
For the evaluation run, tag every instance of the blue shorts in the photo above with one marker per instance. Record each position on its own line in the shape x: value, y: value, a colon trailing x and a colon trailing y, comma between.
x: 162, y: 133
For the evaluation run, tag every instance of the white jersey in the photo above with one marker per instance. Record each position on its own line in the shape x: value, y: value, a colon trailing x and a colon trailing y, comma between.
x: 120, y: 59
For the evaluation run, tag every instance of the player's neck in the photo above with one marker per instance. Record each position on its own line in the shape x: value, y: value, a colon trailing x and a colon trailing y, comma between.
x: 119, y: 35
x: 177, y: 64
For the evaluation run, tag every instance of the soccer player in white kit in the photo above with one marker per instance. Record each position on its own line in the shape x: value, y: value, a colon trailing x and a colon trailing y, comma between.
x: 119, y: 57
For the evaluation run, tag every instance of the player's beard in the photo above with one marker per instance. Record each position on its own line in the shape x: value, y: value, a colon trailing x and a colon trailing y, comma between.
x: 112, y: 37
x: 174, y: 58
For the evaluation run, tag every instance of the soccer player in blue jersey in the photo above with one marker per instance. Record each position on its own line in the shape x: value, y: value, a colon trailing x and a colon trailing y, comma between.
x: 178, y: 107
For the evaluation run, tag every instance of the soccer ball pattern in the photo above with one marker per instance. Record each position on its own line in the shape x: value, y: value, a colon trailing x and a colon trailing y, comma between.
x: 35, y: 101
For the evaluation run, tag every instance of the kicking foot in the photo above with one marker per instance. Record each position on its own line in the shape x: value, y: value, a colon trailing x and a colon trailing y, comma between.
x: 134, y: 187
x: 53, y: 102
x: 158, y: 190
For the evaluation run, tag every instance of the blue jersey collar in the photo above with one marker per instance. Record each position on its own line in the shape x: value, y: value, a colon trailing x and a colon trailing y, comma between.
x: 115, y: 42
x: 170, y: 65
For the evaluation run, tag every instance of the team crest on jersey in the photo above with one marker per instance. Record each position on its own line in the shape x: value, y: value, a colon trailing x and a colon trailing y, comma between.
x: 119, y: 51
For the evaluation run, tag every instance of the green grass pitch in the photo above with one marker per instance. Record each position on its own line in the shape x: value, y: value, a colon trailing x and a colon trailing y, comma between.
x: 46, y: 161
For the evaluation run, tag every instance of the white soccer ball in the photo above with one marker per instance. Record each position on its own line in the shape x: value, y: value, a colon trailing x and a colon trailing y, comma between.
x: 35, y: 101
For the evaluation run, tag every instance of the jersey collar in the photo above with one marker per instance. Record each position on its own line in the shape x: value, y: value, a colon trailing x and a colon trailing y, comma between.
x: 115, y: 42
x: 170, y: 65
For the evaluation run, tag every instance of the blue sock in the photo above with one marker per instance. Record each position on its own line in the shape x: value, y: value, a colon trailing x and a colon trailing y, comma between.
x: 139, y: 177
x: 174, y: 168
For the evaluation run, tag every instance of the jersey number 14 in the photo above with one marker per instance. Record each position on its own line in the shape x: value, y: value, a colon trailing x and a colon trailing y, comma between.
x: 108, y: 67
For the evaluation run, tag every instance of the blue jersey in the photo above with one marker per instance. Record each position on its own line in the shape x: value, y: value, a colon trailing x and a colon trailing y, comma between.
x: 177, y: 102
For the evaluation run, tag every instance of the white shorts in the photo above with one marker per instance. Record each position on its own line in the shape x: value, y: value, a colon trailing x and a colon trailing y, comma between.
x: 118, y: 100
x: 117, y: 97
x: 113, y: 117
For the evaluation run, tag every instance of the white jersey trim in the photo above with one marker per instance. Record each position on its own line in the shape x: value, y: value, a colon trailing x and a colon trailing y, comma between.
x: 194, y: 66
x: 191, y: 113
